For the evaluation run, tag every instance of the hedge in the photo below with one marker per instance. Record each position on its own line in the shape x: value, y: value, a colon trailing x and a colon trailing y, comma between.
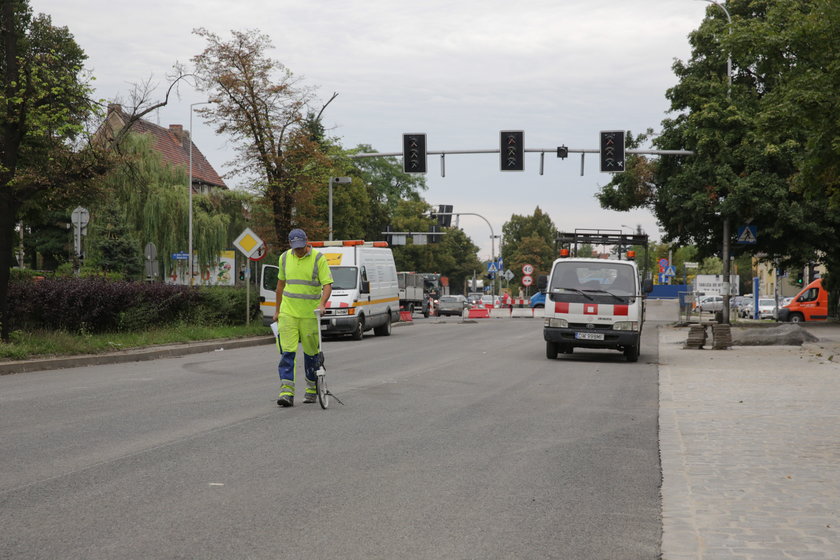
x: 98, y: 305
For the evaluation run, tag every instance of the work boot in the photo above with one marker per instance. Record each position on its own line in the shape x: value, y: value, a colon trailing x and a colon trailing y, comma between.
x: 286, y: 401
x: 310, y: 398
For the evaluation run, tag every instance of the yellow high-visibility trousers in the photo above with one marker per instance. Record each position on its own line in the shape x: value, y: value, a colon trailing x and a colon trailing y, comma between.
x: 293, y: 331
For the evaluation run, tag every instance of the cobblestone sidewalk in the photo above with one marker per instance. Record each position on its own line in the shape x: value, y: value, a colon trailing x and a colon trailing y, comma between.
x: 750, y: 446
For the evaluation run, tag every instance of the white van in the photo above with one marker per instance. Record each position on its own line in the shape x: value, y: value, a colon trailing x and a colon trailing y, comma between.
x: 593, y: 303
x: 365, y: 294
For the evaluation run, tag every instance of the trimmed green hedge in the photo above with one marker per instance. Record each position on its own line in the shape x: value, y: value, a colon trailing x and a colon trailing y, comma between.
x: 98, y: 305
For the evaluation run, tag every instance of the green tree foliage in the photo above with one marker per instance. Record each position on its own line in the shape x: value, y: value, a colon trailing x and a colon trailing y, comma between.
x: 529, y: 240
x: 386, y: 185
x: 44, y: 102
x: 766, y: 151
x: 261, y: 106
x: 152, y: 199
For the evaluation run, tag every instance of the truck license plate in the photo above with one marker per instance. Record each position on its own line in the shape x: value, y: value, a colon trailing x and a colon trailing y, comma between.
x: 324, y: 326
x: 589, y: 336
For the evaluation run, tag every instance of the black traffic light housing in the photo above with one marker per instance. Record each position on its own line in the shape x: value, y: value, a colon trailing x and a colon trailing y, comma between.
x: 414, y: 153
x: 512, y: 150
x: 612, y: 151
x: 562, y: 152
x: 444, y: 218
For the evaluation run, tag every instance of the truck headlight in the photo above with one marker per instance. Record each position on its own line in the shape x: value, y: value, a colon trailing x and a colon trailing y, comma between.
x: 626, y: 326
x: 344, y: 311
x: 557, y: 323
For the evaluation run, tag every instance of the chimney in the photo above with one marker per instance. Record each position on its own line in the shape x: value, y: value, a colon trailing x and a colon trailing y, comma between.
x: 114, y: 108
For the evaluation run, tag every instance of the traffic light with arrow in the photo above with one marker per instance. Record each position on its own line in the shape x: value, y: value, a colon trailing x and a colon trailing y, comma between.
x: 612, y: 151
x: 512, y: 150
x: 414, y: 153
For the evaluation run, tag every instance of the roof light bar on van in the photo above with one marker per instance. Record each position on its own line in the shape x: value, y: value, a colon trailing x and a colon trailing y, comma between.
x: 338, y: 243
x: 631, y: 255
x: 564, y: 253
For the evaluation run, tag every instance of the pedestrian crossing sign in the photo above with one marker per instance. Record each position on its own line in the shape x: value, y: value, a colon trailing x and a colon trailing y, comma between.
x: 747, y: 235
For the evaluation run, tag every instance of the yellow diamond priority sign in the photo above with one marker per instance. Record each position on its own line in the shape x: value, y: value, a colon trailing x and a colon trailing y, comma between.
x: 248, y: 242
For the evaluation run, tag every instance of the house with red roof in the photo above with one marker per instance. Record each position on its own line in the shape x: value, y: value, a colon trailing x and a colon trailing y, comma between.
x: 173, y: 144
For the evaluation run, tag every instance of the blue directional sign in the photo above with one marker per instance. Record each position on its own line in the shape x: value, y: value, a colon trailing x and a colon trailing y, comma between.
x: 182, y: 256
x: 747, y: 235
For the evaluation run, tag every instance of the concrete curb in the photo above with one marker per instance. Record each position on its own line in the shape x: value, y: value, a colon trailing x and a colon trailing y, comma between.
x: 135, y: 355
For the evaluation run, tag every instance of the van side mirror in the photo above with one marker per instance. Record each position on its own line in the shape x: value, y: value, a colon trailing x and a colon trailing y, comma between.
x: 647, y: 285
x: 542, y: 282
x: 365, y: 287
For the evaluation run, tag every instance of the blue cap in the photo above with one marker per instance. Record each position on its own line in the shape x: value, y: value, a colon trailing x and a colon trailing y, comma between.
x: 297, y: 238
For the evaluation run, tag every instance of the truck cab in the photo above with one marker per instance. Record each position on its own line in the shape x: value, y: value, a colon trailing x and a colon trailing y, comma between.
x: 593, y: 303
x: 811, y: 304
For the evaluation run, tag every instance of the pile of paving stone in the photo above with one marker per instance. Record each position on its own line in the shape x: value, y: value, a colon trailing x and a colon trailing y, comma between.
x: 787, y: 334
x: 696, y: 337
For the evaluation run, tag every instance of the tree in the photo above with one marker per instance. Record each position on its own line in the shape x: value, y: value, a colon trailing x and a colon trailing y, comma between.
x: 261, y: 106
x: 529, y: 240
x: 153, y: 203
x: 765, y: 151
x: 44, y: 103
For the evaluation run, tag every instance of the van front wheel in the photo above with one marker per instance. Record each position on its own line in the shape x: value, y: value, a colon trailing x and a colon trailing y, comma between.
x: 551, y: 350
x: 796, y: 318
x: 360, y: 329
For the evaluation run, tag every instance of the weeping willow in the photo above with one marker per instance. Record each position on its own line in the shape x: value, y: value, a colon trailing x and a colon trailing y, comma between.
x: 153, y: 198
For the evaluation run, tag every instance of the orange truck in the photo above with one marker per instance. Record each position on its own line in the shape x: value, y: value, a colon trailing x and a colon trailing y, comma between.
x: 811, y: 304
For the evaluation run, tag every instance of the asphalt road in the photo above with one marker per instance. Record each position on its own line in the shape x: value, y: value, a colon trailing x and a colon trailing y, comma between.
x: 456, y: 440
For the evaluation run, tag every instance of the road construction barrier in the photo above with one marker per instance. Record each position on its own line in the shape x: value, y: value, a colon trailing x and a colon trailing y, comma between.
x: 520, y: 312
x: 499, y: 313
x: 479, y: 313
x: 406, y: 316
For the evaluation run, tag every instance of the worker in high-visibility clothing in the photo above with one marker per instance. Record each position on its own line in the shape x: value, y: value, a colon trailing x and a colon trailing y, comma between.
x: 304, y: 284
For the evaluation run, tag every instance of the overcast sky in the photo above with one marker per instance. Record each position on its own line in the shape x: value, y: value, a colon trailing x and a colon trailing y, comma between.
x: 460, y: 71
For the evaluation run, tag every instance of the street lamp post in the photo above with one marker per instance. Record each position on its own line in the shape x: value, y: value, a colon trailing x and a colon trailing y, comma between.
x: 727, y: 288
x: 492, y: 236
x: 190, y: 191
x: 335, y: 181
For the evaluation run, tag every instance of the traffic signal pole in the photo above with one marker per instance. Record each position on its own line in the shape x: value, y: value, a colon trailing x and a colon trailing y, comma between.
x: 581, y: 151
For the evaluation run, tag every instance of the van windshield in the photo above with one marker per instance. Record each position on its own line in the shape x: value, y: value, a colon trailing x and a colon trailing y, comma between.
x: 345, y: 277
x: 593, y: 280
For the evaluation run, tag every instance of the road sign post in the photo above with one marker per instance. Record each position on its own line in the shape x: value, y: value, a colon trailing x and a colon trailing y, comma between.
x: 250, y: 244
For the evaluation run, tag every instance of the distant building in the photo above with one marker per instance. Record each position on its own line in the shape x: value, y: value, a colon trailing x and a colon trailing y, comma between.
x: 173, y: 144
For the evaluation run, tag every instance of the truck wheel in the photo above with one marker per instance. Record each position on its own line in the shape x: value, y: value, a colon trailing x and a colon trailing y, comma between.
x: 384, y: 330
x: 360, y: 329
x: 551, y: 350
x: 632, y: 353
x: 796, y: 318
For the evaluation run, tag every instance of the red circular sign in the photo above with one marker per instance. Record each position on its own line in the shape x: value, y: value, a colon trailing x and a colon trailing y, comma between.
x: 260, y: 254
x: 527, y: 269
x: 527, y: 280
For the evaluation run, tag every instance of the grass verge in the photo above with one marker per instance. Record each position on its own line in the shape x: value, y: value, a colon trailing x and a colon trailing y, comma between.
x: 42, y: 344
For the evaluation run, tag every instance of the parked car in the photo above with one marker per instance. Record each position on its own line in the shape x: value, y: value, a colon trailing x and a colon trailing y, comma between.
x: 745, y: 307
x: 735, y: 301
x: 451, y: 305
x: 710, y: 304
x: 537, y: 300
x: 766, y: 308
x: 474, y: 297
